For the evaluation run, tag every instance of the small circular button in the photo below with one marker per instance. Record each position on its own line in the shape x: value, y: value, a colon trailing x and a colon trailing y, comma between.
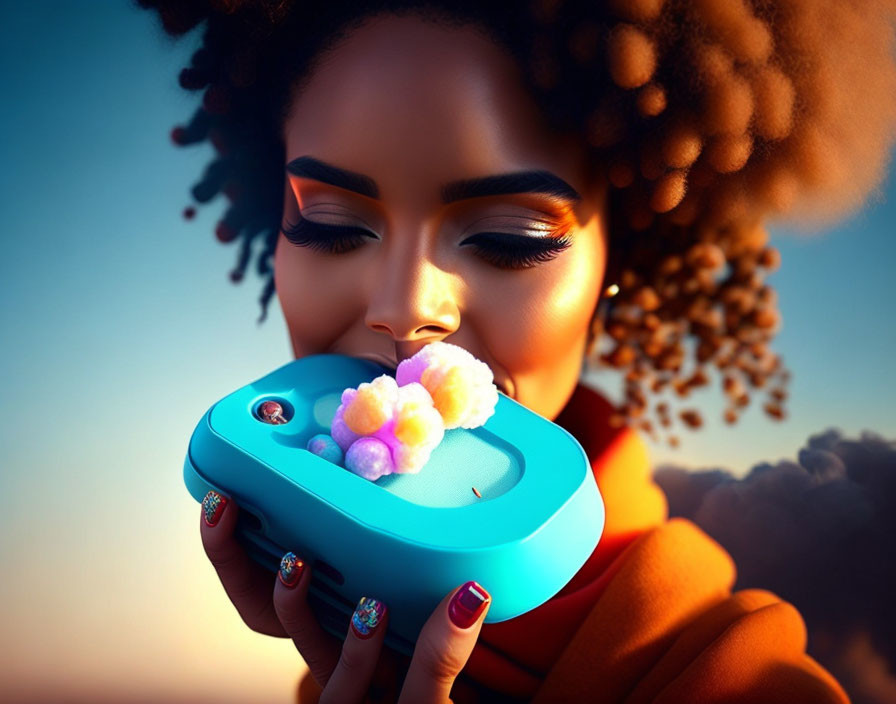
x: 272, y: 412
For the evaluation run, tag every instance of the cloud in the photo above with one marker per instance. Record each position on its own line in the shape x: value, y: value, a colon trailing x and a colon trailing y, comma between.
x: 818, y: 532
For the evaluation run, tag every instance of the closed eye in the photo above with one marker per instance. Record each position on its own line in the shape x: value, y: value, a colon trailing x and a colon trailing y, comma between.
x: 501, y: 249
x: 333, y: 239
x: 508, y: 251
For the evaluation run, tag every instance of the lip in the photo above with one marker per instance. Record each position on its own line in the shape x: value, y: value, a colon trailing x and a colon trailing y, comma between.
x: 379, y: 359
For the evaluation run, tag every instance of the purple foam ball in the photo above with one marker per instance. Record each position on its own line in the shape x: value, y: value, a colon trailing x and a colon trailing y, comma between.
x: 341, y: 433
x: 369, y: 458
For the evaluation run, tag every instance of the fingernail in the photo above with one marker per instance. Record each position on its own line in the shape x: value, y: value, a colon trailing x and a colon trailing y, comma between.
x: 291, y: 568
x: 213, y: 506
x: 467, y: 604
x: 367, y: 617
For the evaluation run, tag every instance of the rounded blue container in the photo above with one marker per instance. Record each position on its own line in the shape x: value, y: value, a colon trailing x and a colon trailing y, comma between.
x: 406, y: 539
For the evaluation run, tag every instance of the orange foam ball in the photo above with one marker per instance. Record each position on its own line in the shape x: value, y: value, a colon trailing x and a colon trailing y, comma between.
x: 365, y: 414
x: 452, y: 395
x: 411, y: 429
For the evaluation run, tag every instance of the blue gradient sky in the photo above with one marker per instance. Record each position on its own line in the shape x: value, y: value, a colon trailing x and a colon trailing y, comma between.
x: 121, y: 328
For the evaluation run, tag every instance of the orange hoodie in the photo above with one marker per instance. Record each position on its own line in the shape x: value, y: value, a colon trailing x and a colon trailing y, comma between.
x: 649, y: 617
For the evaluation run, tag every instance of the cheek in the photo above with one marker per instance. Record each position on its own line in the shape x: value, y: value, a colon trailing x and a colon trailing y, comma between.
x: 317, y: 301
x: 541, y: 322
x: 540, y: 336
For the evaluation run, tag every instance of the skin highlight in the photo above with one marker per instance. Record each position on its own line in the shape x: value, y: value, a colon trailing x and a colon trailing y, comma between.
x: 414, y: 280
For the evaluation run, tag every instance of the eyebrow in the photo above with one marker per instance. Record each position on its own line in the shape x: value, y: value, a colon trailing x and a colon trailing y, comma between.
x: 543, y: 182
x: 309, y: 167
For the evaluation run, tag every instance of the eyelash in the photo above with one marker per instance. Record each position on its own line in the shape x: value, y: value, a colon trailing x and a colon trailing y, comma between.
x: 333, y: 239
x: 518, y: 251
x: 504, y: 250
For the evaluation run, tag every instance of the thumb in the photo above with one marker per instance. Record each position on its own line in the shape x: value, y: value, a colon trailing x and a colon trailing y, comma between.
x: 445, y: 644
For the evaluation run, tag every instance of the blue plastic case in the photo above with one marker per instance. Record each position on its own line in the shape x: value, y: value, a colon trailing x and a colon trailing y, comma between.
x: 406, y: 539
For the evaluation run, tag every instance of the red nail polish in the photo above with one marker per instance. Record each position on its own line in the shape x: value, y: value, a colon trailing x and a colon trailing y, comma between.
x: 467, y: 604
x: 212, y: 507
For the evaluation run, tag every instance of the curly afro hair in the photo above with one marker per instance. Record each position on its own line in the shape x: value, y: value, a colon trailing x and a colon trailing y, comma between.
x: 707, y: 118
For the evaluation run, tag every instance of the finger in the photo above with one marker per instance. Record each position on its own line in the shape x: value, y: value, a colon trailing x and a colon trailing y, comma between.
x: 444, y: 645
x: 352, y: 677
x: 246, y: 582
x: 319, y: 649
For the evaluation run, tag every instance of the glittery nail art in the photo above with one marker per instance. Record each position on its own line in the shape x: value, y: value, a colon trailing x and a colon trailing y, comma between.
x: 367, y: 617
x: 212, y: 506
x: 291, y: 568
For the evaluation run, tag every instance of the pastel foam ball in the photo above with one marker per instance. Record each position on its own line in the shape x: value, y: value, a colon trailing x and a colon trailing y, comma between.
x: 452, y: 392
x: 411, y: 430
x: 405, y: 422
x: 410, y: 460
x: 417, y: 430
x: 325, y: 447
x: 460, y: 385
x: 341, y: 433
x: 371, y: 406
x: 369, y: 458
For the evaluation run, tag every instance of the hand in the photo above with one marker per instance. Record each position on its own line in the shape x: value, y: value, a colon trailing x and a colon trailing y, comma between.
x: 246, y: 582
x: 347, y: 670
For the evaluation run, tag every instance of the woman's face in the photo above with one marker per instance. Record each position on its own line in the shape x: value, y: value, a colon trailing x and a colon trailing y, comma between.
x: 429, y: 202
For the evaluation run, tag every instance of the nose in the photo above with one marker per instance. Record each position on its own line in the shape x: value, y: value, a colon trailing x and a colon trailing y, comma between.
x: 414, y: 304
